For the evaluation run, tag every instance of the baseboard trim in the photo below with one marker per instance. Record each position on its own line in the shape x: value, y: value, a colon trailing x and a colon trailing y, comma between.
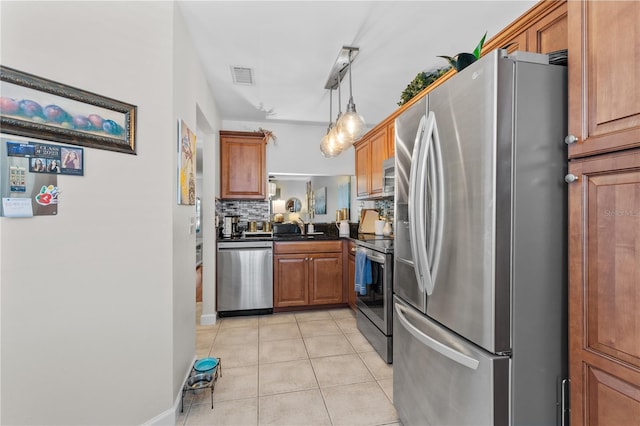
x: 208, y: 319
x: 170, y: 416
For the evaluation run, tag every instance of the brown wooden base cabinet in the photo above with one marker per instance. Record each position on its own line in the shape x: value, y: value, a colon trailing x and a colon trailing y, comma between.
x: 199, y: 283
x: 604, y: 289
x: 307, y: 274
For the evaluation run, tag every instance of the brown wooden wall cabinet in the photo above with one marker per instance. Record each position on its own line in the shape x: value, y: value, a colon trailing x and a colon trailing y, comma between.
x: 604, y: 213
x: 307, y: 273
x: 243, y: 174
x: 547, y: 33
x: 541, y: 29
x: 371, y: 151
x: 604, y: 76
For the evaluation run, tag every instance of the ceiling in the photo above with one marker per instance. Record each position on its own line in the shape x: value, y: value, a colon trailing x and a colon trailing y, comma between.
x: 291, y: 47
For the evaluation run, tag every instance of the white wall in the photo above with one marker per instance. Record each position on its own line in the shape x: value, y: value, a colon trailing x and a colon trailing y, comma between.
x: 97, y: 307
x: 297, y: 149
x: 194, y: 104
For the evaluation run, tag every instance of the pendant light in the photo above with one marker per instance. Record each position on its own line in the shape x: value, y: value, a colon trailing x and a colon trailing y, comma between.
x: 351, y: 123
x: 343, y: 139
x: 329, y: 145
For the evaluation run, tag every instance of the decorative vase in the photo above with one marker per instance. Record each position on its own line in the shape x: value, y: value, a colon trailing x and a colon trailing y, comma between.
x: 461, y: 60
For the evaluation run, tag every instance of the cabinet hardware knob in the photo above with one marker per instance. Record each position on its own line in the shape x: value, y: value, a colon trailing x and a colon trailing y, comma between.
x: 570, y: 139
x: 570, y: 178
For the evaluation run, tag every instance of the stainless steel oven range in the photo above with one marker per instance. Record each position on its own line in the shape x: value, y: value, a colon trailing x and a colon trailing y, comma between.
x: 375, y: 300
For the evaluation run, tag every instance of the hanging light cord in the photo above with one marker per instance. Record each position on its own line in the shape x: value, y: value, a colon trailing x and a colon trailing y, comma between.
x: 330, y: 109
x: 339, y: 102
x: 350, y: 88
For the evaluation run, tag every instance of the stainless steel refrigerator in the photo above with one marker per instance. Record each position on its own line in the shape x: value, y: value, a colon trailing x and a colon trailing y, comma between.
x: 480, y: 275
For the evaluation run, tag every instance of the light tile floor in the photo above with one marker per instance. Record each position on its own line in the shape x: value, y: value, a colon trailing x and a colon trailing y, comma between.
x: 304, y: 368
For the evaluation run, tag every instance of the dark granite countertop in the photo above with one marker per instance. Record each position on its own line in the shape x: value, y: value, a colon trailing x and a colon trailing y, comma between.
x: 325, y: 232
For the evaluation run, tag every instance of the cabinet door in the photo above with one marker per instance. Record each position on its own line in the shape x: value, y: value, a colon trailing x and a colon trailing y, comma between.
x: 391, y: 139
x: 290, y: 280
x: 199, y: 283
x: 242, y: 166
x: 604, y: 289
x: 604, y: 76
x: 378, y: 154
x: 363, y: 152
x: 519, y: 42
x: 549, y: 34
x: 325, y: 278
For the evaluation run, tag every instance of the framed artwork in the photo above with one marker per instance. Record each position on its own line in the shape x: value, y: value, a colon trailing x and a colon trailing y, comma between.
x: 186, y: 165
x: 35, y: 107
x: 320, y: 197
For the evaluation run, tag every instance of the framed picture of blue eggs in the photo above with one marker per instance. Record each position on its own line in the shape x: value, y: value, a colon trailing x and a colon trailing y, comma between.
x: 35, y: 107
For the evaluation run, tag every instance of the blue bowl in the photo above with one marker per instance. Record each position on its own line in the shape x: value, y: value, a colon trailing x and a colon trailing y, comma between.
x: 205, y: 365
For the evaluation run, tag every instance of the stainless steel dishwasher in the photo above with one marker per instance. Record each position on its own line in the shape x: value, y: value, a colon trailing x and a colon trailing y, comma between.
x: 245, y: 277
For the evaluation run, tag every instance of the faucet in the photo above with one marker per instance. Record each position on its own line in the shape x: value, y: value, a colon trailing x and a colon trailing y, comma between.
x: 300, y: 224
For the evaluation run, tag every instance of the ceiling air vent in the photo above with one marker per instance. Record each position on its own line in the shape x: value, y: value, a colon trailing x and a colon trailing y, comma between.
x: 242, y: 75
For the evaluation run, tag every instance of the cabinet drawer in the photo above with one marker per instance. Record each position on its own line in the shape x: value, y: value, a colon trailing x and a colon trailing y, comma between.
x: 295, y: 247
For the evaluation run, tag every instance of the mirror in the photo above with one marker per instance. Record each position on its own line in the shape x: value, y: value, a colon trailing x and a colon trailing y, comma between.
x: 298, y: 196
x: 294, y: 205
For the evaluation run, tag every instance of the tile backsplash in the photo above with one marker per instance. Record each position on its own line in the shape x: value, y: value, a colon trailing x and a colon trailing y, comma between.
x: 385, y: 207
x: 248, y: 210
x: 258, y: 210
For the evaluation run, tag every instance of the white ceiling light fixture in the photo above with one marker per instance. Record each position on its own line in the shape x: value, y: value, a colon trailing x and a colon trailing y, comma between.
x: 351, y: 123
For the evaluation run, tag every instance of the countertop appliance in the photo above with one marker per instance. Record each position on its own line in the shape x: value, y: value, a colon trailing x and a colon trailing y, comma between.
x: 480, y: 331
x: 230, y: 227
x: 245, y: 277
x: 375, y: 301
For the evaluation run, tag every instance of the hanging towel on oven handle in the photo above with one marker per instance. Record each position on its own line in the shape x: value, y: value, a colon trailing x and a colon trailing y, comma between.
x: 363, y: 271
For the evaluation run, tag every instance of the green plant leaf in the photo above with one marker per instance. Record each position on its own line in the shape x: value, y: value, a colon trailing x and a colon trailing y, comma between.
x: 478, y: 49
x: 421, y: 81
x: 452, y: 61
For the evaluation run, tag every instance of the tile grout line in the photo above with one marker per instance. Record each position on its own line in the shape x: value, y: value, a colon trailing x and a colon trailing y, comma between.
x: 258, y: 378
x: 261, y: 363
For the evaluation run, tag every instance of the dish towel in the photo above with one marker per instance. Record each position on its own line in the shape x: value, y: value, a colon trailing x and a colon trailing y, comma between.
x: 363, y: 272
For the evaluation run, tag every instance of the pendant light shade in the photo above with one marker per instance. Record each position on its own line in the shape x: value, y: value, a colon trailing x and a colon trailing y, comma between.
x: 351, y: 124
x: 343, y: 140
x: 329, y: 145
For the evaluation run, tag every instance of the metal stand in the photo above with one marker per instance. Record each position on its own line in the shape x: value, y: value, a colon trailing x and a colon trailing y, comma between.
x: 201, y: 384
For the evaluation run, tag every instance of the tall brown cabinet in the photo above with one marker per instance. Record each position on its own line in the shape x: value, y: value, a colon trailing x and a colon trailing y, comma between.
x: 604, y: 212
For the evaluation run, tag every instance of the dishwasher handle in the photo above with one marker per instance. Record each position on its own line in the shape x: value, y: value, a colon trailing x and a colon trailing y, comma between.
x: 235, y: 245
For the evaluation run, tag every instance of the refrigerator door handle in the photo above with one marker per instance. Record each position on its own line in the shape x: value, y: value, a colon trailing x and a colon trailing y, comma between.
x: 438, y: 215
x: 414, y: 204
x: 430, y: 342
